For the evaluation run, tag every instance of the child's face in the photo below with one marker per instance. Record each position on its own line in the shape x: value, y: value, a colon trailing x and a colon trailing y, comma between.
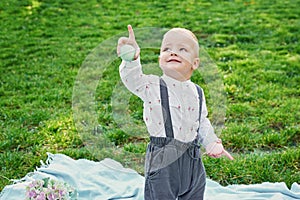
x: 178, y: 57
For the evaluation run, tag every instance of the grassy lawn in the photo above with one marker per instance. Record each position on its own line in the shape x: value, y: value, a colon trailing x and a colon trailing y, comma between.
x: 255, y: 44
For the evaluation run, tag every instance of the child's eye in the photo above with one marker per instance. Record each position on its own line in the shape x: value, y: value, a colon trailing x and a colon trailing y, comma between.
x: 166, y: 49
x: 183, y: 49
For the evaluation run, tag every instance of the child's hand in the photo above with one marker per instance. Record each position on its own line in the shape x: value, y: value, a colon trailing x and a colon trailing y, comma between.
x: 216, y: 150
x: 129, y: 40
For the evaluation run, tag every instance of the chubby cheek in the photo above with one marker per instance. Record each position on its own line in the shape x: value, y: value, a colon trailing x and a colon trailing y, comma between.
x: 188, y: 63
x: 187, y: 58
x: 162, y: 59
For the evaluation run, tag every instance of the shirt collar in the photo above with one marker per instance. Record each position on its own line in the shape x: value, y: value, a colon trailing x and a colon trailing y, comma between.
x: 170, y: 80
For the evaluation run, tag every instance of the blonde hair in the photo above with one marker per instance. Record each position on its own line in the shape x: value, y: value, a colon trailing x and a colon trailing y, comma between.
x: 188, y: 33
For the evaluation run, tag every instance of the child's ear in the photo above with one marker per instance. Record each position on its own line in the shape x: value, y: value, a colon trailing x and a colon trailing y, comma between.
x: 196, y: 63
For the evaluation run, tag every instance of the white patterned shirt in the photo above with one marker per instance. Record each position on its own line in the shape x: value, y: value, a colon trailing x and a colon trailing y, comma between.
x: 183, y: 100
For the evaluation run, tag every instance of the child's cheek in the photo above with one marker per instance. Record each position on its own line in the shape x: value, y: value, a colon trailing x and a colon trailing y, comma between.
x: 163, y: 57
x: 185, y: 56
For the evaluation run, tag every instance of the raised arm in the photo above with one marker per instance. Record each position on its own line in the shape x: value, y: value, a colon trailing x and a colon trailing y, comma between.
x: 131, y: 71
x: 130, y: 40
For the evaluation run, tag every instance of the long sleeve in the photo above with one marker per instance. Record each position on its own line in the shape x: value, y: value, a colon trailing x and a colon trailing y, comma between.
x: 206, y: 131
x: 133, y: 78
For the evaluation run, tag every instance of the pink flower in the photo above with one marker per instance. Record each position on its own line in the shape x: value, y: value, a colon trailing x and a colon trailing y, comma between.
x: 41, y: 196
x: 51, y: 196
x: 31, y: 193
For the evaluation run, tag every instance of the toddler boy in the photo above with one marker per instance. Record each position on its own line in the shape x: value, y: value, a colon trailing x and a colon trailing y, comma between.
x: 175, y: 114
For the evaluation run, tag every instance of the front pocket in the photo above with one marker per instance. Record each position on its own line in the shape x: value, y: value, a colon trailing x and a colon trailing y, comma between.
x: 153, y: 174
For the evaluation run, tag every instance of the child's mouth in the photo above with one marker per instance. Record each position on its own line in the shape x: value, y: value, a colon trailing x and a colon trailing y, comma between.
x: 174, y: 60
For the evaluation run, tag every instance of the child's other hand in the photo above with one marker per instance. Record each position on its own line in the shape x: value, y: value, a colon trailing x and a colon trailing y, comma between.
x: 216, y: 150
x: 130, y: 41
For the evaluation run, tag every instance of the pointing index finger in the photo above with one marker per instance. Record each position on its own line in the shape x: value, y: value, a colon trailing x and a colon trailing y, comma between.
x: 225, y: 153
x: 131, y: 33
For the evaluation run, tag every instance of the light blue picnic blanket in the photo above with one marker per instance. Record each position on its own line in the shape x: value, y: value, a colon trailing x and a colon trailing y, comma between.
x: 109, y: 180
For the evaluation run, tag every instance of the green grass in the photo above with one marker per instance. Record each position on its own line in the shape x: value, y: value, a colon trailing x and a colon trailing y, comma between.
x: 254, y: 43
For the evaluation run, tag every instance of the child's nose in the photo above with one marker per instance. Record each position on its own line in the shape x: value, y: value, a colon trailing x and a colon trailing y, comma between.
x: 173, y: 53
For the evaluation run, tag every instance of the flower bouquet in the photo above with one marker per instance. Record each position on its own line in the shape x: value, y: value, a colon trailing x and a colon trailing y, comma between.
x: 49, y: 189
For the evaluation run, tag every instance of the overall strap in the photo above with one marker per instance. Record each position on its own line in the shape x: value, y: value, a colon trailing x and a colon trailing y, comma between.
x: 199, y: 90
x: 166, y: 108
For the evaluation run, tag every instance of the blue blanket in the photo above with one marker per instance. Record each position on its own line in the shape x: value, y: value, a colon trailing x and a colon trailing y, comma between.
x: 108, y: 179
